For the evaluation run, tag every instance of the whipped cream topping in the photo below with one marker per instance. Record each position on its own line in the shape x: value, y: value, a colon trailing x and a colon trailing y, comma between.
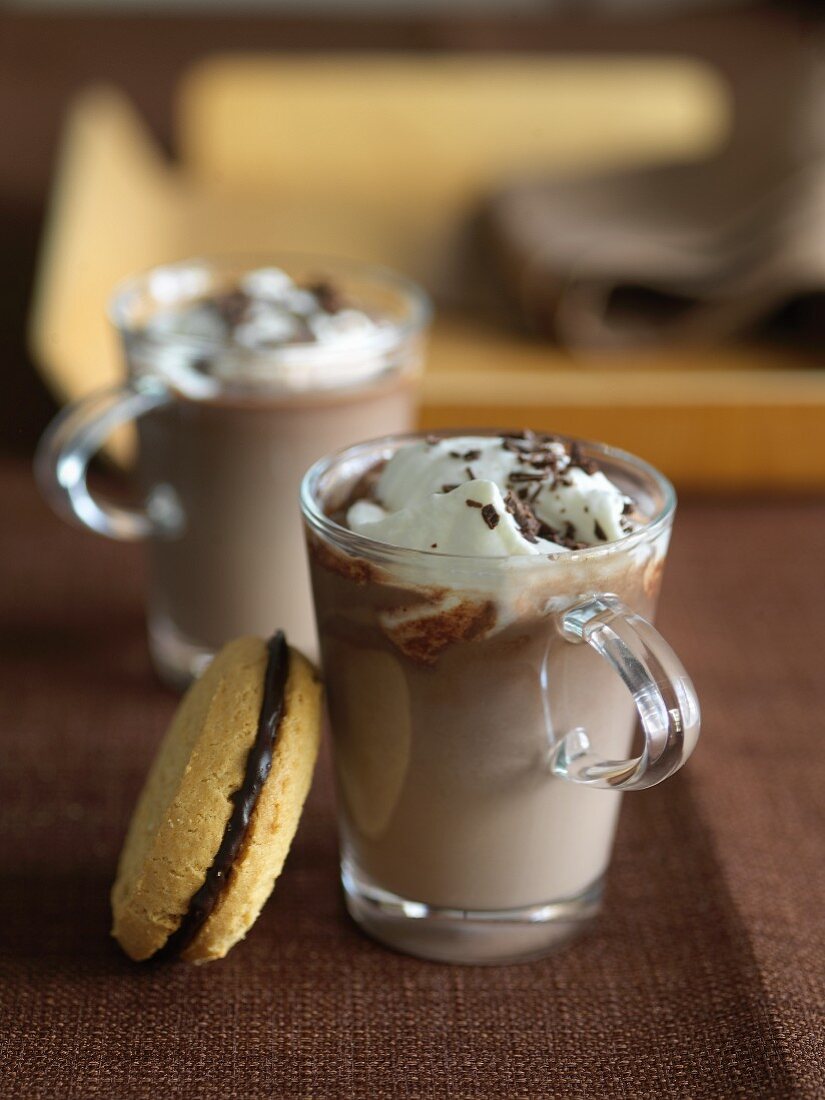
x: 268, y: 309
x: 492, y: 496
x: 270, y: 328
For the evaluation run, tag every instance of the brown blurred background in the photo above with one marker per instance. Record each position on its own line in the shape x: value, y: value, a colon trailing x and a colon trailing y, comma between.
x: 48, y: 52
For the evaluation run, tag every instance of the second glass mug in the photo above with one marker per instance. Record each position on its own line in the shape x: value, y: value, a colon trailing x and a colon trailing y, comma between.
x: 221, y: 452
x: 480, y: 745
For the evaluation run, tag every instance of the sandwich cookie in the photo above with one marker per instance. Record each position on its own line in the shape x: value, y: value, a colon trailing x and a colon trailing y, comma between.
x: 220, y: 806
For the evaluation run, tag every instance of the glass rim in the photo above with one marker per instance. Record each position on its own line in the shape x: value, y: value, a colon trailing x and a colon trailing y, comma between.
x: 418, y: 301
x: 321, y: 523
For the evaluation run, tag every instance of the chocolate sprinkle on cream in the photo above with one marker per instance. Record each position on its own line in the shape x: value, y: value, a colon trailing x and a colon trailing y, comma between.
x: 490, y: 516
x: 524, y: 516
x: 532, y: 483
x: 566, y: 538
x: 578, y: 459
x: 525, y: 475
x: 232, y: 306
x: 328, y: 295
x: 244, y: 800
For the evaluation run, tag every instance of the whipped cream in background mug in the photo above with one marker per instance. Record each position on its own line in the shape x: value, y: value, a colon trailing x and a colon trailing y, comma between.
x: 466, y: 587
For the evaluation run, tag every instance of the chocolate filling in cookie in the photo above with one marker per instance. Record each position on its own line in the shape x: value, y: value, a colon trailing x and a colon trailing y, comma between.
x: 244, y: 800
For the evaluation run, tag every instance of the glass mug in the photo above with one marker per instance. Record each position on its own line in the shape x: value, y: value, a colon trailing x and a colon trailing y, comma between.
x: 224, y: 436
x: 480, y: 744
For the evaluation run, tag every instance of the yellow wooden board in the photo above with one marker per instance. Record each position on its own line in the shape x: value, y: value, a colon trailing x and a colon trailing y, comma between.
x: 380, y: 159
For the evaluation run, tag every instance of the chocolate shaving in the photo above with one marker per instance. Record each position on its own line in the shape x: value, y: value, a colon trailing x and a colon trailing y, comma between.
x: 525, y: 518
x: 566, y: 538
x: 471, y: 456
x: 490, y: 516
x: 448, y: 488
x: 329, y: 296
x: 525, y: 475
x: 473, y: 503
x: 513, y: 446
x: 578, y: 459
x: 469, y: 472
x: 547, y: 460
x: 232, y: 306
x: 524, y: 434
x: 535, y: 449
x: 599, y: 531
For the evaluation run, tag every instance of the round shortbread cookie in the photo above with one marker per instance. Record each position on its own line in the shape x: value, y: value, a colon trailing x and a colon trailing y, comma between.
x: 179, y: 822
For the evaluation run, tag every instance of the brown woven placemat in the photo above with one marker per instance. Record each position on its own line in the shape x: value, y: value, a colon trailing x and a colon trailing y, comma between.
x: 705, y: 976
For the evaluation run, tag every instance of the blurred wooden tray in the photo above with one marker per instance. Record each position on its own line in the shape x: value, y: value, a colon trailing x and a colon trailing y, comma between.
x: 380, y: 158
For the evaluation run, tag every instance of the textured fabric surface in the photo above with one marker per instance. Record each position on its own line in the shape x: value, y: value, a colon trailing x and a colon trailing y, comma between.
x: 705, y: 975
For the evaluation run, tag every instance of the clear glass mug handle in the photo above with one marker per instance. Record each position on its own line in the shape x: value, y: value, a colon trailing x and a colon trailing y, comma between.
x: 661, y: 689
x: 70, y: 442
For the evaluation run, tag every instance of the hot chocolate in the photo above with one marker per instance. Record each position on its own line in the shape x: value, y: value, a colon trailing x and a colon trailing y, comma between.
x: 269, y: 373
x: 237, y: 564
x: 238, y: 379
x: 452, y: 684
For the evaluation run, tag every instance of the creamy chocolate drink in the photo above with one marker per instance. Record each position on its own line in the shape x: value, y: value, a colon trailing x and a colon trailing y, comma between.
x: 453, y: 578
x: 238, y: 564
x: 240, y: 377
